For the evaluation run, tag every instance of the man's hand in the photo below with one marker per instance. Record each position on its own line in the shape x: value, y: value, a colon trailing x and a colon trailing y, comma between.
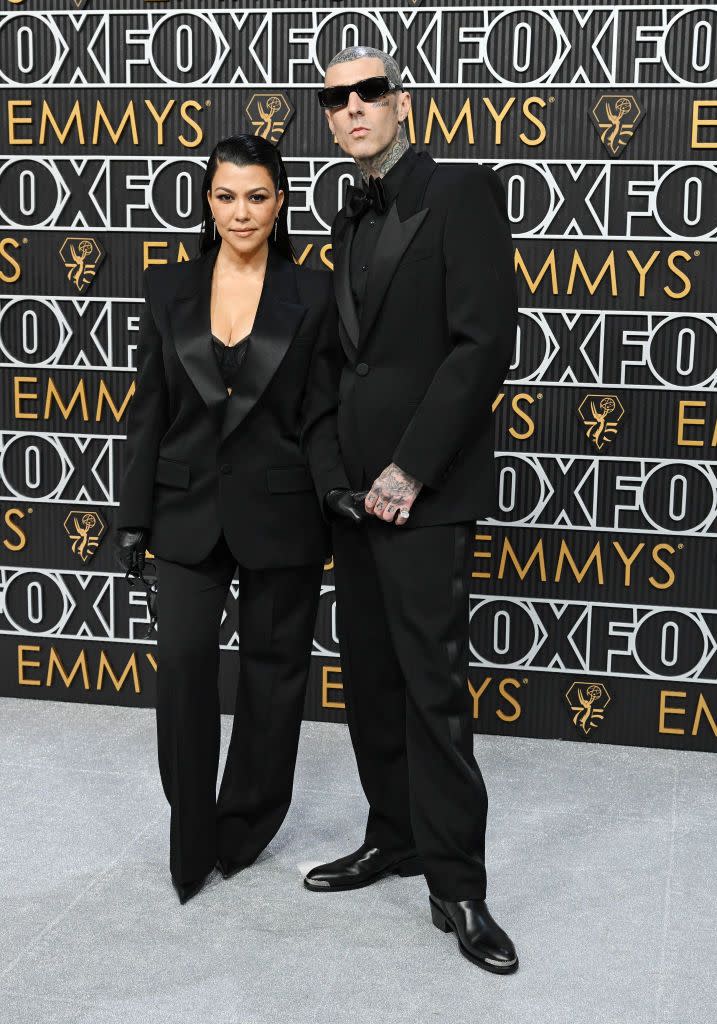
x: 392, y: 495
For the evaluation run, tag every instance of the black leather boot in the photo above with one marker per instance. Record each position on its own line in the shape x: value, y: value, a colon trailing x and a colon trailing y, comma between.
x: 366, y: 865
x: 480, y: 939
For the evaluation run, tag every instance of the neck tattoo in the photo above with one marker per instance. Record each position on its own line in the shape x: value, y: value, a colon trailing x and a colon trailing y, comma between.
x: 383, y: 162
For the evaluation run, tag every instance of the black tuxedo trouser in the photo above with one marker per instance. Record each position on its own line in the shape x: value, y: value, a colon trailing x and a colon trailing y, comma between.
x: 402, y: 617
x: 277, y: 614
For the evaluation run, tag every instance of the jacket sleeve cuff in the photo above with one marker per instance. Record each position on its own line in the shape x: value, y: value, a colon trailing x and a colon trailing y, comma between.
x: 411, y: 463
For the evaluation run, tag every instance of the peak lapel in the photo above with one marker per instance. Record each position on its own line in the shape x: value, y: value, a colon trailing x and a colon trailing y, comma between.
x: 402, y: 222
x: 190, y: 321
x: 277, y: 320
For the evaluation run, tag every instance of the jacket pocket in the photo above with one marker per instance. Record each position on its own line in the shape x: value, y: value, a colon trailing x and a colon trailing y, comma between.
x: 171, y: 473
x: 411, y: 255
x: 285, y: 479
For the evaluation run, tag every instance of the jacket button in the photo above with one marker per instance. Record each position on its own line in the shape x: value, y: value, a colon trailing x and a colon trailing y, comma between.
x: 362, y: 369
x: 225, y: 468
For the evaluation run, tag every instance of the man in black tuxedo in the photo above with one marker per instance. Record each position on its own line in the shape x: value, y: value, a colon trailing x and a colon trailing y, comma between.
x: 425, y: 285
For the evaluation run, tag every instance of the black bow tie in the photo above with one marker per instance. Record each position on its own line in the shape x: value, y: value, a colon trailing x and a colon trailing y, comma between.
x: 358, y: 200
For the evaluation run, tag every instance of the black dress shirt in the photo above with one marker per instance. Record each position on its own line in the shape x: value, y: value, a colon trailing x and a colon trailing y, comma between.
x: 370, y: 224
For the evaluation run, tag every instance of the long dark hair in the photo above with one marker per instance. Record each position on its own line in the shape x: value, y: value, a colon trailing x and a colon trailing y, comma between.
x: 242, y: 150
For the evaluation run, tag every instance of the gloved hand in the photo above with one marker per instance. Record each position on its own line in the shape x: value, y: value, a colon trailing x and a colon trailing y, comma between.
x: 346, y: 504
x: 130, y: 546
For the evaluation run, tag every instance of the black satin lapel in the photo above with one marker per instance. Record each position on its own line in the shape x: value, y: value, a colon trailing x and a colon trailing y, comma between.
x: 342, y: 288
x: 190, y: 321
x: 277, y: 320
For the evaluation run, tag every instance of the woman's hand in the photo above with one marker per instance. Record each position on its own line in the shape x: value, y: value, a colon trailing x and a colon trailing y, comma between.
x: 130, y: 547
x: 346, y: 504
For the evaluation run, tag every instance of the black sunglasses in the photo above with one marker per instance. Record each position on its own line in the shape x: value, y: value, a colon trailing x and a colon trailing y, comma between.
x: 368, y: 89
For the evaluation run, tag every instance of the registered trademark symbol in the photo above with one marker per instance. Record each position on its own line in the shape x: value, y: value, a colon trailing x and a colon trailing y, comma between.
x: 551, y: 99
x: 207, y: 103
x: 525, y: 679
x: 29, y: 510
x: 680, y: 547
x: 24, y: 241
x: 539, y: 395
x: 697, y: 252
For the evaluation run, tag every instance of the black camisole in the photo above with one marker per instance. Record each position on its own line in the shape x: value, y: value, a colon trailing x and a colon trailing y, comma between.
x: 229, y: 359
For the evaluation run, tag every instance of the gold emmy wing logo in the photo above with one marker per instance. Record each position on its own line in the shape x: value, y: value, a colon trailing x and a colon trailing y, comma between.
x: 85, y: 529
x: 269, y: 112
x: 588, y: 701
x: 601, y: 415
x: 616, y: 117
x: 82, y: 256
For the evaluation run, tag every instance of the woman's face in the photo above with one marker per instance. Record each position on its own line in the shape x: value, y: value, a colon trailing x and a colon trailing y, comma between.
x: 244, y: 205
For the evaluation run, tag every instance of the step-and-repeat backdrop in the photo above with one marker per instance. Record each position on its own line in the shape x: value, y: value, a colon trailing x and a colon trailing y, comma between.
x: 594, y: 590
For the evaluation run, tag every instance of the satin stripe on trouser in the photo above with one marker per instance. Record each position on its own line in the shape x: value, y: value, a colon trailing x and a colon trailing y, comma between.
x: 402, y: 602
x: 277, y: 613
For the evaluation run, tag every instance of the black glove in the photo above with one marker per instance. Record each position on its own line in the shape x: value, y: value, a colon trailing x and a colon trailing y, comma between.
x: 346, y: 504
x: 130, y: 546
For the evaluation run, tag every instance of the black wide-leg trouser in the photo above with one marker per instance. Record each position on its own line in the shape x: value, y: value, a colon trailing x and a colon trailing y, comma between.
x: 402, y: 614
x: 277, y: 614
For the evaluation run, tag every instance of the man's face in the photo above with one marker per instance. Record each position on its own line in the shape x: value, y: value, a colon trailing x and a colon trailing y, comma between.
x: 364, y: 129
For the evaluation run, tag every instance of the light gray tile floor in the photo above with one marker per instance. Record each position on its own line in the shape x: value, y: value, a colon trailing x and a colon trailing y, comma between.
x: 601, y: 865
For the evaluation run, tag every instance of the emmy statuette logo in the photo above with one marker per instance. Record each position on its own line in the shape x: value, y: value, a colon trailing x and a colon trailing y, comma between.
x: 269, y: 113
x: 601, y: 415
x: 588, y: 702
x: 85, y: 529
x: 616, y: 116
x: 82, y: 256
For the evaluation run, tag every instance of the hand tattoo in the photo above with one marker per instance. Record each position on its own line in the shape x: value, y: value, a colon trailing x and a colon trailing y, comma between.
x: 398, y: 484
x: 394, y: 491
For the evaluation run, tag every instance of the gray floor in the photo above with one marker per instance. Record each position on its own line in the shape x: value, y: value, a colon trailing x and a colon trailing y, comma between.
x: 601, y: 865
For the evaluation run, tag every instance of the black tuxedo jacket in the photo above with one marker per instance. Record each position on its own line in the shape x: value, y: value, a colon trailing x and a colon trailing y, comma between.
x: 423, y: 364
x: 198, y: 460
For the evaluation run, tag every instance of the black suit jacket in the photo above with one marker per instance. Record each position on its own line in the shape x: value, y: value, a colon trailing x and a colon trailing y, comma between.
x: 197, y: 460
x: 434, y: 341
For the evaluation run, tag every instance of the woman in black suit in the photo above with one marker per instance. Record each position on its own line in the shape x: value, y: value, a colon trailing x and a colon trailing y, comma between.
x: 222, y: 429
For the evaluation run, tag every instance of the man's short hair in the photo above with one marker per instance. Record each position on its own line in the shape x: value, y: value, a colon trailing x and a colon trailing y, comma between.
x: 390, y: 66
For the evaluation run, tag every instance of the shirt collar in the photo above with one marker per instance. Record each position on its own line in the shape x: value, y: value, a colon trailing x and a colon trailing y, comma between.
x: 393, y: 179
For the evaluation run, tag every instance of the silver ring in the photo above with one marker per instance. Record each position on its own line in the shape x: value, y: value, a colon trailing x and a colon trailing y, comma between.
x: 404, y: 513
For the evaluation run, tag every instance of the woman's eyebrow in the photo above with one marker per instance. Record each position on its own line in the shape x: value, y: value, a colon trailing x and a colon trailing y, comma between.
x: 257, y: 188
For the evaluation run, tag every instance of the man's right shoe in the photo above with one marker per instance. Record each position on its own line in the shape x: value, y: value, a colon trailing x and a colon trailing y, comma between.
x: 480, y: 939
x: 366, y: 865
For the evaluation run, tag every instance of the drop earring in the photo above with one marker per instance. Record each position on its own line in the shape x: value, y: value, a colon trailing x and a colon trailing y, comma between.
x: 214, y: 229
x: 276, y: 226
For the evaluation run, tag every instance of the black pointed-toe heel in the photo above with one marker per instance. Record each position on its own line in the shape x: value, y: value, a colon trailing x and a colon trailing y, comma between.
x: 186, y: 890
x: 228, y: 868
